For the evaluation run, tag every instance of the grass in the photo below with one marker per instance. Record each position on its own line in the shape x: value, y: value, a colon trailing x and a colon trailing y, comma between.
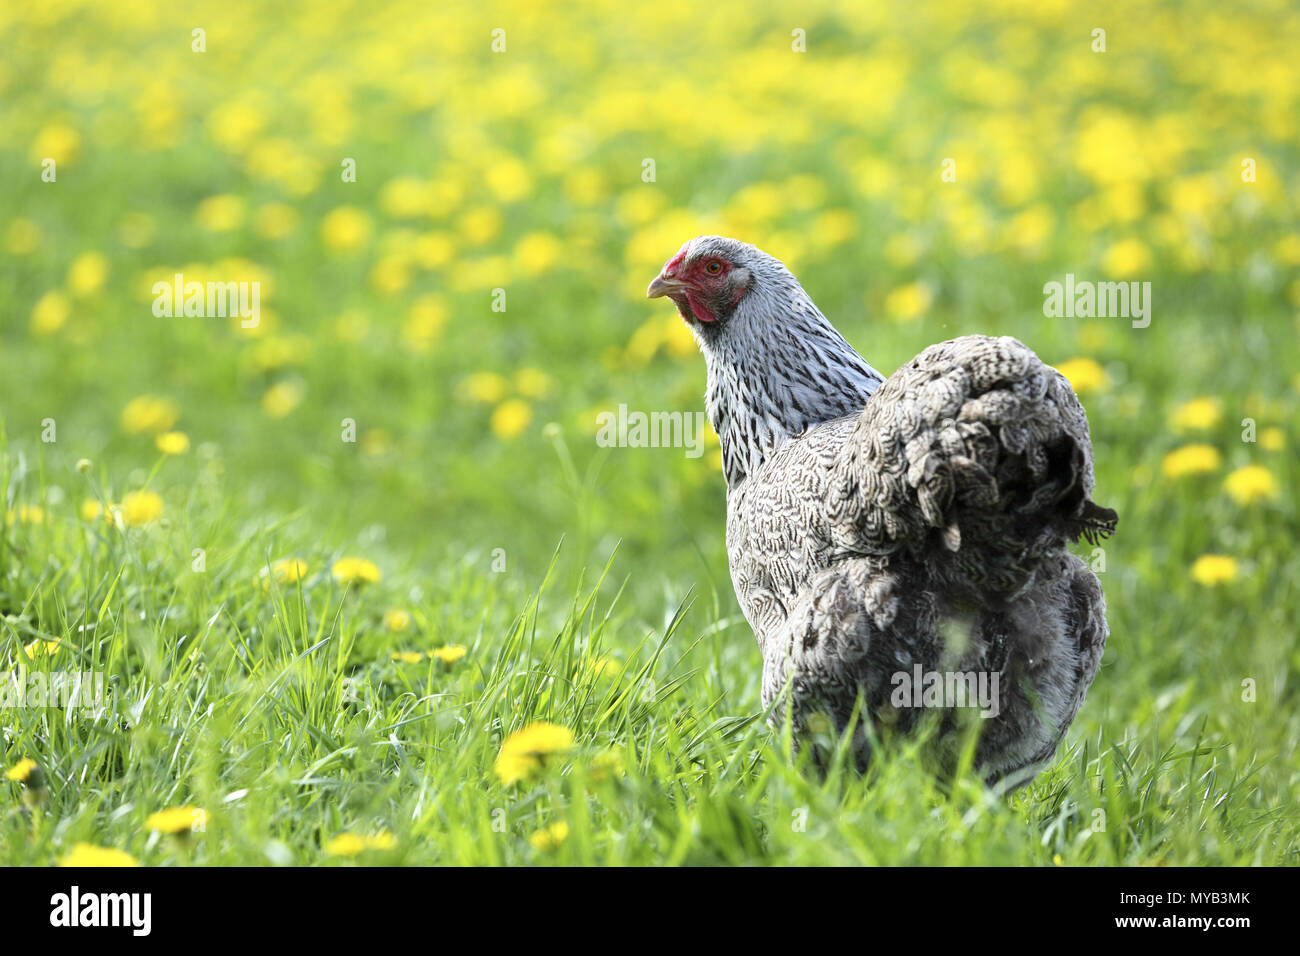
x: 588, y: 586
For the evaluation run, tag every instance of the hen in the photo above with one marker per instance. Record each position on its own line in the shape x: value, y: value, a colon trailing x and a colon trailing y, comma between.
x: 897, y: 543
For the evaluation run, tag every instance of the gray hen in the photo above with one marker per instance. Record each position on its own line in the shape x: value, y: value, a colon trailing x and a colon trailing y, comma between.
x: 901, y: 541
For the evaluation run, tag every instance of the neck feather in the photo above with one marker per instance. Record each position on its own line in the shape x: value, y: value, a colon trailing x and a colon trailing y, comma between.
x: 776, y: 368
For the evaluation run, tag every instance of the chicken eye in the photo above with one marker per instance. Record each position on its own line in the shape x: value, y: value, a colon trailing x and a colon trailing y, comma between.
x: 713, y: 268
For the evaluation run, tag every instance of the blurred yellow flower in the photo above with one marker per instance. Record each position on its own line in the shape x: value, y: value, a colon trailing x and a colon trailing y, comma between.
x: 1272, y: 439
x: 1211, y: 570
x: 57, y: 141
x: 26, y: 514
x: 508, y: 179
x: 87, y: 854
x: 1198, y: 414
x: 526, y: 752
x: 355, y: 571
x: 397, y: 619
x: 480, y: 225
x: 220, y: 213
x: 407, y: 657
x: 50, y: 313
x: 177, y: 820
x: 173, y: 443
x: 511, y: 418
x: 275, y: 220
x: 550, y: 838
x: 532, y: 382
x: 87, y: 273
x: 483, y: 387
x: 1128, y: 257
x: 405, y: 197
x: 281, y: 399
x: 149, y: 413
x: 450, y: 653
x: 537, y: 252
x: 139, y: 508
x: 433, y: 250
x: 353, y: 844
x: 1084, y: 374
x: 21, y: 771
x: 908, y: 302
x: 345, y: 228
x: 289, y: 570
x: 1196, y: 459
x: 1251, y: 483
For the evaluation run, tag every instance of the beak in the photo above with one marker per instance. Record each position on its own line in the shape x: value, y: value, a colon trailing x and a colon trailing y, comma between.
x: 664, y: 285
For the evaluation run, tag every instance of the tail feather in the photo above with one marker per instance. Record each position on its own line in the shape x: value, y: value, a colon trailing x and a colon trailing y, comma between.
x: 980, y: 448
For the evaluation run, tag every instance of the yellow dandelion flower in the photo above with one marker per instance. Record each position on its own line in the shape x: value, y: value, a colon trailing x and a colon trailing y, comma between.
x: 139, y: 508
x: 511, y: 418
x: 1251, y: 483
x: 345, y: 229
x: 1198, y: 414
x: 173, y: 443
x: 908, y: 302
x: 50, y: 313
x: 483, y: 387
x: 449, y: 654
x: 532, y: 382
x: 87, y: 854
x: 177, y: 820
x: 26, y: 514
x: 1197, y: 459
x: 87, y: 274
x: 432, y: 250
x: 149, y: 413
x: 1211, y: 570
x: 407, y: 657
x: 397, y: 619
x: 526, y: 751
x: 1084, y: 375
x: 57, y: 141
x: 405, y: 197
x: 537, y: 252
x: 40, y: 648
x: 550, y: 838
x: 281, y: 399
x: 354, y: 844
x: 289, y: 570
x: 355, y: 571
x: 1272, y: 439
x: 1128, y: 257
x: 480, y: 225
x: 220, y: 213
x: 275, y: 220
x: 92, y: 509
x: 22, y: 771
x: 508, y: 179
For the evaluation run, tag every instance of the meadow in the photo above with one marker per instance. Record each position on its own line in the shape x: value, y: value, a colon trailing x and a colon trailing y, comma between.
x: 358, y: 582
